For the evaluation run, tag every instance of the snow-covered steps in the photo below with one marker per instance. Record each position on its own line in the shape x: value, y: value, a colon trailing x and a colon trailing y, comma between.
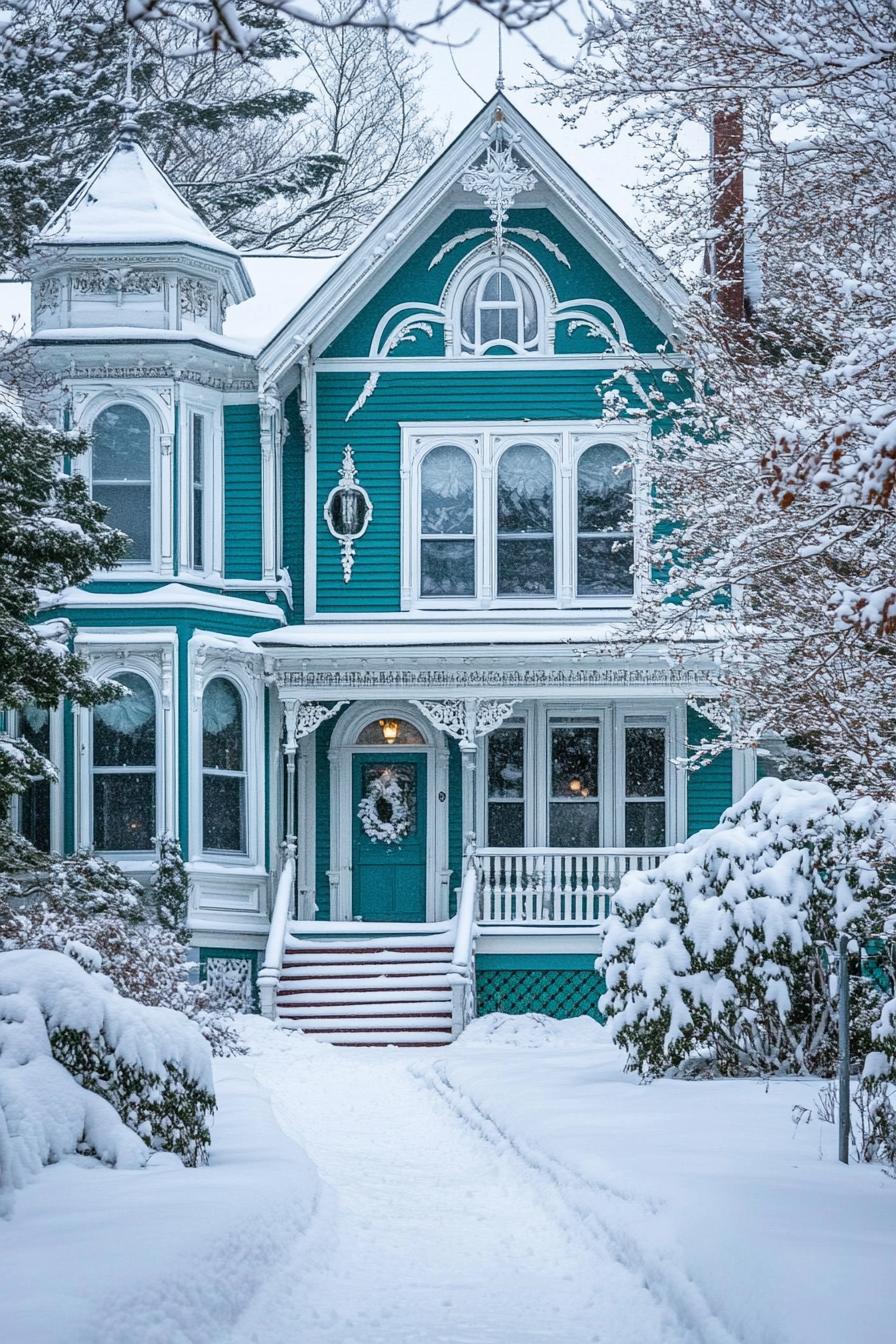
x: 391, y: 988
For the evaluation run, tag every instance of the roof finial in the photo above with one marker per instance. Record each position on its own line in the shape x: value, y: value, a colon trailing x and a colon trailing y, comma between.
x: 129, y: 124
x: 499, y: 82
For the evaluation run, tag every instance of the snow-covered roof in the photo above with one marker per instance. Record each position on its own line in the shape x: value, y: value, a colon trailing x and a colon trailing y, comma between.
x: 128, y: 199
x: 281, y: 284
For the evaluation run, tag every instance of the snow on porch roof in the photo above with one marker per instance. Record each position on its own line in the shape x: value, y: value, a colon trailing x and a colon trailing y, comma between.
x: 128, y: 199
x: 383, y: 635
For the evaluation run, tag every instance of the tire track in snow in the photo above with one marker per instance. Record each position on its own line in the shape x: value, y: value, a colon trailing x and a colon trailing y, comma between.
x: 668, y: 1282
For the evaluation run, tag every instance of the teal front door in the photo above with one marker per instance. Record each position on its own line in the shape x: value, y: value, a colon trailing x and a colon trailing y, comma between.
x: 389, y: 840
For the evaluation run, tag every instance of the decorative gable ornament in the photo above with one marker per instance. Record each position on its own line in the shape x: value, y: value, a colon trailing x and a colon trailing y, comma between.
x: 499, y: 177
x: 348, y: 511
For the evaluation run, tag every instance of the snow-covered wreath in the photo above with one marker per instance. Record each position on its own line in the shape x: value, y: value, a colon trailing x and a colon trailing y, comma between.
x: 384, y: 813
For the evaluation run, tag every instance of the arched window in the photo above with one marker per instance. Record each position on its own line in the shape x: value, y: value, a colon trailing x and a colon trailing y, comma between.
x: 34, y: 802
x: 124, y: 768
x: 605, y: 548
x: 121, y: 475
x: 525, y: 522
x: 390, y: 732
x: 498, y: 313
x: 447, y: 524
x: 223, y: 768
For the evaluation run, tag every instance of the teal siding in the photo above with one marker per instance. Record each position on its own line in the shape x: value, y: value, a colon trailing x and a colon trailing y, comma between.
x: 709, y: 789
x: 419, y: 282
x: 242, y: 493
x: 375, y: 435
x: 293, y: 496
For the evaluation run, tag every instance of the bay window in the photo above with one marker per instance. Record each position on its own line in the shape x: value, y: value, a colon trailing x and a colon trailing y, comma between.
x: 125, y: 742
x: 525, y: 522
x: 223, y: 768
x: 447, y: 526
x: 605, y: 541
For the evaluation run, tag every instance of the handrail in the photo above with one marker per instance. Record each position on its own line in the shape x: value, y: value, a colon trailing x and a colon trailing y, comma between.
x: 462, y: 976
x: 269, y: 975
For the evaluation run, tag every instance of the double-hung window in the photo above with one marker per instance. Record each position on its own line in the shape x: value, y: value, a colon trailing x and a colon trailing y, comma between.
x: 197, y: 491
x: 645, y: 784
x: 125, y: 768
x: 121, y: 476
x: 605, y: 539
x: 574, y: 766
x: 447, y: 523
x: 506, y: 776
x: 223, y: 768
x: 525, y: 522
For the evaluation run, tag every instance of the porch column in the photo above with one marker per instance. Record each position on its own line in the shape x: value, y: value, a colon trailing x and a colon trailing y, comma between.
x: 300, y: 718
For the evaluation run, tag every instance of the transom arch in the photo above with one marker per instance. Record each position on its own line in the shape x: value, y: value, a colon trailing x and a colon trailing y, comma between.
x: 352, y: 722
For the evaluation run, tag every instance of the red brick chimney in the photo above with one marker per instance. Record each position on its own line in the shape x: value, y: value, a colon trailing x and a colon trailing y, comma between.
x: 725, y: 254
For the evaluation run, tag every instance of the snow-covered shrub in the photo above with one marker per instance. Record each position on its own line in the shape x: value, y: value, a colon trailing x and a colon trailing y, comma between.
x: 170, y: 886
x: 722, y: 950
x: 83, y: 902
x: 83, y: 1069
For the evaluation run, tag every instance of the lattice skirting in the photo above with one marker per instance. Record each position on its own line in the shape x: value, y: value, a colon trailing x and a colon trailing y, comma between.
x: 556, y: 993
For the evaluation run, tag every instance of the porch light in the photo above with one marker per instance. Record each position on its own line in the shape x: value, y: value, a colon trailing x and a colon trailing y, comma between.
x: 391, y: 728
x: 575, y: 785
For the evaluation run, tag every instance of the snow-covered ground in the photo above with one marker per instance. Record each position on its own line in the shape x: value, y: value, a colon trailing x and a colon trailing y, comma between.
x: 516, y: 1186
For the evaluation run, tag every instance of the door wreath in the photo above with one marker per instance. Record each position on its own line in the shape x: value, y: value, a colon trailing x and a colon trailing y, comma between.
x: 384, y: 813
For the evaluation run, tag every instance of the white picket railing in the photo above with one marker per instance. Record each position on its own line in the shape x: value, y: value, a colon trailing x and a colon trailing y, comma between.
x: 553, y: 886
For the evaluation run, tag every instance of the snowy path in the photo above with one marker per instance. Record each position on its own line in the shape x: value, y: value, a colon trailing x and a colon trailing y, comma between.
x: 434, y: 1232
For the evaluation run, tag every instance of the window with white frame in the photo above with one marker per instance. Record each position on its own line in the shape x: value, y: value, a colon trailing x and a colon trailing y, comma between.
x: 525, y: 522
x: 125, y: 768
x: 605, y: 547
x: 121, y: 476
x: 493, y: 517
x: 223, y: 768
x: 197, y: 490
x: 499, y: 314
x: 578, y: 781
x: 506, y: 776
x: 447, y: 523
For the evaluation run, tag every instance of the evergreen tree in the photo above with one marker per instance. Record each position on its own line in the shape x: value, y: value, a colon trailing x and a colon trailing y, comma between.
x: 51, y: 537
x: 170, y: 886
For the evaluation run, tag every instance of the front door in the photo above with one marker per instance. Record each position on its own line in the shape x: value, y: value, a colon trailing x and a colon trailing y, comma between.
x: 389, y: 837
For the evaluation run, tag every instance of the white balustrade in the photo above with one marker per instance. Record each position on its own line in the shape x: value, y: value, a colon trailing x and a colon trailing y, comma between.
x: 554, y: 886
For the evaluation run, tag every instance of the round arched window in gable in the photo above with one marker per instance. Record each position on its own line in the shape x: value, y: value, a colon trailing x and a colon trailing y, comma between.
x: 121, y: 475
x: 390, y: 732
x: 499, y: 314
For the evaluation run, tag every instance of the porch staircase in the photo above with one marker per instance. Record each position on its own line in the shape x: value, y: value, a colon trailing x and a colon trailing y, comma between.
x: 371, y: 984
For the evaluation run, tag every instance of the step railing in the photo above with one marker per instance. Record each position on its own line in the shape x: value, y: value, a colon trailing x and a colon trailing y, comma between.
x: 269, y: 975
x: 554, y: 886
x: 462, y: 976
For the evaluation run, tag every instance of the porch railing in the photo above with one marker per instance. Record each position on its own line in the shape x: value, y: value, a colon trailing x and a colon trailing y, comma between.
x: 554, y: 886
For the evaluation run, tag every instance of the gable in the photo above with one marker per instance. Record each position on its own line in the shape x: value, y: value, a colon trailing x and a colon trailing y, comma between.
x: 392, y: 251
x: 534, y: 233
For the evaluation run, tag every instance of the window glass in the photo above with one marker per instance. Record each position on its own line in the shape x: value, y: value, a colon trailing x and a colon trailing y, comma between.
x: 498, y: 311
x: 447, y: 547
x: 645, y: 786
x: 605, y: 550
x: 122, y: 477
x: 525, y: 516
x: 34, y: 802
x: 506, y: 752
x: 574, y: 810
x: 223, y: 768
x: 198, y: 446
x: 124, y: 768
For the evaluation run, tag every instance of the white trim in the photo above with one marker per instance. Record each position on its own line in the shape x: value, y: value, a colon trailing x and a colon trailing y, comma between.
x: 196, y: 401
x: 564, y: 442
x: 151, y: 653
x: 156, y: 405
x: 309, y: 531
x: 475, y: 363
x: 343, y: 749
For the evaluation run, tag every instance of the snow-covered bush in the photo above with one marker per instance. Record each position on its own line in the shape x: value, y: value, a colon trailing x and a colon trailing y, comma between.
x: 722, y: 951
x: 170, y: 886
x: 83, y: 902
x: 83, y: 1069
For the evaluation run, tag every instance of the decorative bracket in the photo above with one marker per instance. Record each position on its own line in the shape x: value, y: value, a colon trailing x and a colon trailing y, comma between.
x: 348, y: 511
x: 465, y: 720
x: 302, y: 717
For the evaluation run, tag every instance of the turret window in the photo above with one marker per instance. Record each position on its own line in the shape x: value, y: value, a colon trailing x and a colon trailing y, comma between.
x: 121, y: 476
x: 197, y: 492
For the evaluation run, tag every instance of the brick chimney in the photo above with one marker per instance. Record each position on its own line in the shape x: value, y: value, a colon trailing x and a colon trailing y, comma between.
x: 725, y: 253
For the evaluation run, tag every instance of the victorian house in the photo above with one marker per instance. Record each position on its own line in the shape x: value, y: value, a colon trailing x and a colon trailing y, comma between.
x: 373, y: 620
